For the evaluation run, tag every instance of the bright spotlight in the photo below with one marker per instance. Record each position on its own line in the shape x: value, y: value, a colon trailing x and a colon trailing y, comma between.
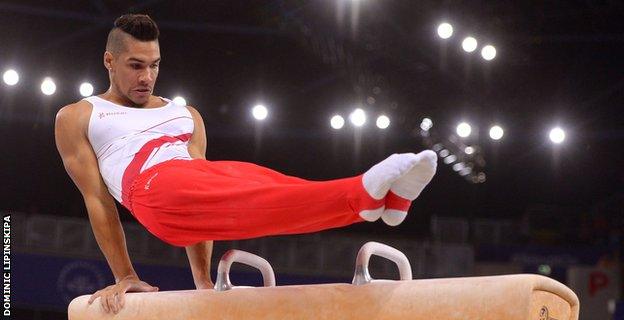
x: 463, y: 130
x: 383, y: 122
x: 465, y: 171
x: 10, y: 77
x: 358, y: 117
x: 444, y: 153
x: 48, y: 87
x: 337, y: 122
x: 182, y: 102
x: 469, y: 150
x: 86, y: 89
x: 445, y: 30
x: 426, y: 124
x: 557, y: 135
x: 488, y: 52
x: 259, y: 112
x: 496, y: 132
x: 458, y: 166
x: 469, y: 44
x: 450, y: 159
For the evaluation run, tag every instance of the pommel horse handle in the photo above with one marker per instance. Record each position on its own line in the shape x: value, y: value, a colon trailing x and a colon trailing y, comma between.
x: 223, y: 271
x: 362, y: 276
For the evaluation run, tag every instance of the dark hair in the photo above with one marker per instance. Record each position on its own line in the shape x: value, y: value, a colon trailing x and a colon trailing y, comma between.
x: 139, y: 26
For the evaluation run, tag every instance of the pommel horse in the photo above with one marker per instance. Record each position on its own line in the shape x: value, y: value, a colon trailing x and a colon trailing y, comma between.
x: 509, y: 297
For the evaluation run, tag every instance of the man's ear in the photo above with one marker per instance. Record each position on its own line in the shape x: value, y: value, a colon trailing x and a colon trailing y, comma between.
x: 108, y: 60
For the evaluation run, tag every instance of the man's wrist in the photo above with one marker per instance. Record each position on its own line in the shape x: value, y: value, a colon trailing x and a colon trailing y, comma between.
x: 127, y: 277
x: 204, y: 284
x: 202, y: 278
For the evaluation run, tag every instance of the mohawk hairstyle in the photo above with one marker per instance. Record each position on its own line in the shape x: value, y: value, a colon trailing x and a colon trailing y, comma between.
x: 139, y: 26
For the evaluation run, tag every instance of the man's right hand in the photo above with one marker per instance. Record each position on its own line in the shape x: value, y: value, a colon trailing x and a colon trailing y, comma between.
x: 112, y: 297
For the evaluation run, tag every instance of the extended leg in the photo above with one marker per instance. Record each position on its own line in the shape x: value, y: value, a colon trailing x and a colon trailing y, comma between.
x: 183, y: 202
x: 189, y: 201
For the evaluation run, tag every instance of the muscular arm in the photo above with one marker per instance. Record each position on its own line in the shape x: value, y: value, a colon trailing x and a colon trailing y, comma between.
x: 81, y: 165
x: 199, y: 254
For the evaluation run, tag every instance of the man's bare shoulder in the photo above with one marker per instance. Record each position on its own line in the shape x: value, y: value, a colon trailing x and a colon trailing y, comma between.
x: 74, y: 117
x: 76, y: 113
x: 191, y: 108
x: 194, y: 111
x: 76, y: 109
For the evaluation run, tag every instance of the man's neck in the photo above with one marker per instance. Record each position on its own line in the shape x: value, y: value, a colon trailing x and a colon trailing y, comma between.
x: 120, y: 100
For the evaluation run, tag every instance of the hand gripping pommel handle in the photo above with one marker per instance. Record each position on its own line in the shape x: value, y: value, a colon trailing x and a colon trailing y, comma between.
x: 362, y: 276
x: 223, y: 271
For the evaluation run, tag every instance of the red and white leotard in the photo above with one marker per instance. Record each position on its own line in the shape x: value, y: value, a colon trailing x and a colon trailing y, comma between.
x: 127, y: 141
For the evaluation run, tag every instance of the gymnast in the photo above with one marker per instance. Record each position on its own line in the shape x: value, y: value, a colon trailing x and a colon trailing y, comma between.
x: 148, y: 153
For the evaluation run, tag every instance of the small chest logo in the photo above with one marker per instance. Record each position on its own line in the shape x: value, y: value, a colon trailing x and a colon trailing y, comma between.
x: 114, y: 113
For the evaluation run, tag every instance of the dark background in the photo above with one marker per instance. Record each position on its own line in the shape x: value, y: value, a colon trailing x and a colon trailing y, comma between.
x: 558, y: 63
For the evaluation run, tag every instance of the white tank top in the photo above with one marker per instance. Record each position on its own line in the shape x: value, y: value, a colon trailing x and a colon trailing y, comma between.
x: 127, y: 141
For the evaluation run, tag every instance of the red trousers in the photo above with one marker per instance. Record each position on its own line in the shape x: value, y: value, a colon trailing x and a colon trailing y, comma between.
x: 183, y: 202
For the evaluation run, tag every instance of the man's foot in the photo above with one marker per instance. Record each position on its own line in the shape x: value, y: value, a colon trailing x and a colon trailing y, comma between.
x: 378, y: 179
x: 408, y: 187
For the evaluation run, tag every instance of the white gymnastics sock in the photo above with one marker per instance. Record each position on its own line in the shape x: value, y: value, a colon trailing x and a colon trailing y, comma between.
x: 410, y: 185
x: 378, y: 179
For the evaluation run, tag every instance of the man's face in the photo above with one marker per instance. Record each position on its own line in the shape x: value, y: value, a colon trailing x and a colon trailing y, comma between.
x: 134, y: 71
